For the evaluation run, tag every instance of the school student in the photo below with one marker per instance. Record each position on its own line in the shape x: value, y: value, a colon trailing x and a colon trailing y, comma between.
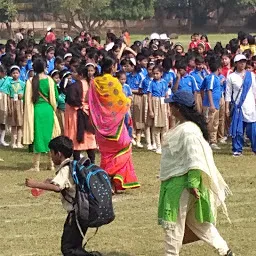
x: 199, y: 73
x: 226, y: 64
x: 134, y: 80
x: 49, y: 55
x: 186, y: 82
x: 211, y: 100
x: 4, y: 93
x: 121, y: 75
x: 22, y: 63
x: 15, y: 106
x: 150, y: 139
x: 158, y: 91
x: 241, y: 93
x: 61, y: 149
x: 169, y: 74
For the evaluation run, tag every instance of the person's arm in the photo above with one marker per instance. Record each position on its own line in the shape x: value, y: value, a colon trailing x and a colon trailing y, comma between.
x: 228, y: 97
x: 177, y: 82
x: 123, y: 47
x: 194, y: 180
x: 150, y: 105
x: 212, y: 107
x: 46, y: 185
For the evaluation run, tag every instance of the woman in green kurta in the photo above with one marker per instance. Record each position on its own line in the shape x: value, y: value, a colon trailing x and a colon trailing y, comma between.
x: 40, y: 122
x: 191, y: 186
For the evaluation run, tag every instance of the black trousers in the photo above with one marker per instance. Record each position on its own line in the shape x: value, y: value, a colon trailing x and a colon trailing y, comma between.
x: 90, y: 153
x: 71, y: 241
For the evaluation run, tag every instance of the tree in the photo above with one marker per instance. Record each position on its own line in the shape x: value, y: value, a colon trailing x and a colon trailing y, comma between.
x: 8, y: 13
x: 82, y: 14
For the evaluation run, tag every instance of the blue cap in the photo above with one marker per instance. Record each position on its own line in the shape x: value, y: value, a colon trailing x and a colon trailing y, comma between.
x: 182, y: 97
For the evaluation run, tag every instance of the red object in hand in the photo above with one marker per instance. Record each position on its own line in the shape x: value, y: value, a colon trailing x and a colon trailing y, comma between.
x: 37, y: 192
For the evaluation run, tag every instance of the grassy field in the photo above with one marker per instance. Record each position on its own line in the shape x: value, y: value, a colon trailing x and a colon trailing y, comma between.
x: 33, y: 226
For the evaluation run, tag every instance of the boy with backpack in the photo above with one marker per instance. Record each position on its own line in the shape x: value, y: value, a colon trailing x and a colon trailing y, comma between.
x: 61, y: 149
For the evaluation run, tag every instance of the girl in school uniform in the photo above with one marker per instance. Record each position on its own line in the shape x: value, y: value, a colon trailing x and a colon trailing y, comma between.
x: 204, y: 39
x: 158, y: 91
x: 150, y: 139
x: 4, y: 81
x: 134, y: 80
x: 15, y: 106
x: 50, y: 59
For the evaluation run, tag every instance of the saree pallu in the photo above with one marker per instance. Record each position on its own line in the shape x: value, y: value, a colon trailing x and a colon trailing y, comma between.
x: 108, y: 106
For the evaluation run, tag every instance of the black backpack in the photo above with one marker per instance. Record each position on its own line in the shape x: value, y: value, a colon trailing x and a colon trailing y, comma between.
x: 93, y: 202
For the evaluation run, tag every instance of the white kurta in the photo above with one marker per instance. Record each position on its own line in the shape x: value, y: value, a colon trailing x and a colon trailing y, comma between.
x: 234, y: 83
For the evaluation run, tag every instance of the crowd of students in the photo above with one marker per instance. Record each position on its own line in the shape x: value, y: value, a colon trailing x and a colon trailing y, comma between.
x: 149, y: 72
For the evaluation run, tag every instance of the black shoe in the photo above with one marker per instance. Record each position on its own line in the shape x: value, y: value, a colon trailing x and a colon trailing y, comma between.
x: 230, y: 253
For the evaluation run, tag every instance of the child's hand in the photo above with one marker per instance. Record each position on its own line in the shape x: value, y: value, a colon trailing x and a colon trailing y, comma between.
x: 30, y: 183
x: 212, y: 109
x: 20, y: 96
x: 151, y: 114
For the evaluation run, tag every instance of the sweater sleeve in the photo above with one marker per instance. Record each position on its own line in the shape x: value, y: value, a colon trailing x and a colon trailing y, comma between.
x: 194, y: 178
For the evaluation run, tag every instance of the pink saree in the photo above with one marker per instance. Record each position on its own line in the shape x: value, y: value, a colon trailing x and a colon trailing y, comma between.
x: 108, y: 106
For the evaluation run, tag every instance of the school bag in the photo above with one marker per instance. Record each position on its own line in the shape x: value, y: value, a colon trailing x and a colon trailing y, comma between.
x: 93, y: 201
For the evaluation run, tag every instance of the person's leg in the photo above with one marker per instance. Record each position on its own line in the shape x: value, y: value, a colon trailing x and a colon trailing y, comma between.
x: 14, y: 137
x: 157, y: 131
x: 148, y: 137
x: 251, y: 134
x: 50, y: 164
x: 71, y: 241
x: 174, y: 237
x: 76, y: 155
x: 221, y: 128
x: 138, y: 139
x: 91, y: 155
x: 215, y: 125
x: 19, y: 137
x: 208, y: 233
x: 3, y: 131
x: 36, y: 163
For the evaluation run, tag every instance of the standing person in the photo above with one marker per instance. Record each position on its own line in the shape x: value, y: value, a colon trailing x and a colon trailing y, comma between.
x: 66, y: 37
x: 150, y: 138
x: 186, y: 82
x: 134, y: 80
x: 110, y: 41
x: 211, y: 89
x: 226, y: 64
x: 158, y: 91
x: 191, y: 186
x: 20, y: 35
x: 108, y: 107
x: 40, y: 121
x: 77, y: 122
x: 205, y: 40
x: 199, y: 73
x: 4, y: 92
x: 50, y: 58
x: 50, y: 37
x: 15, y: 106
x: 241, y: 92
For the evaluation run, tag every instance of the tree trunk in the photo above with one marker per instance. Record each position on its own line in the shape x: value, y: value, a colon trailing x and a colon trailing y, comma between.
x: 9, y: 29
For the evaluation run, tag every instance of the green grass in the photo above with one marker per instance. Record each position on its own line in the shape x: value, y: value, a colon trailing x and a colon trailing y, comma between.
x: 33, y: 226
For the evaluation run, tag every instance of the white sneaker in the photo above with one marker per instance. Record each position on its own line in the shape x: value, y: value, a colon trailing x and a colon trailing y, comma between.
x: 159, y: 151
x: 237, y: 154
x: 139, y: 145
x: 150, y: 147
x: 154, y: 147
x: 143, y: 135
x: 20, y: 146
x: 215, y: 146
x: 223, y: 141
x: 5, y: 144
x: 14, y: 146
x: 134, y: 142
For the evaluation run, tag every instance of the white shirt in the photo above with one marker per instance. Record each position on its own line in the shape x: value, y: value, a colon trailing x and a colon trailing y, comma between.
x: 109, y: 46
x: 234, y: 83
x: 64, y: 180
